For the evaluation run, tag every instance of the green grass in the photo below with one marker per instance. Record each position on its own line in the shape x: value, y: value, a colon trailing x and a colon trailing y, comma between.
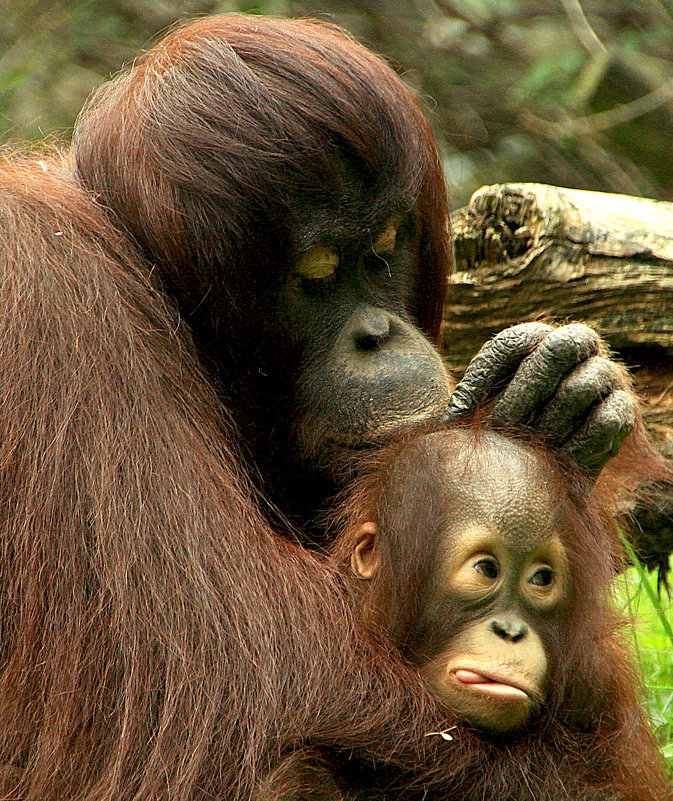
x: 652, y: 631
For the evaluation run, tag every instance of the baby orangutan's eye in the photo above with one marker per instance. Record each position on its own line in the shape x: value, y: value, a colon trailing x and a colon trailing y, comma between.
x: 488, y: 568
x: 543, y: 577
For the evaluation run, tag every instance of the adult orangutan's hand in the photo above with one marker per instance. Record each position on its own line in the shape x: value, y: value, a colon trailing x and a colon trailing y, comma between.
x: 556, y: 383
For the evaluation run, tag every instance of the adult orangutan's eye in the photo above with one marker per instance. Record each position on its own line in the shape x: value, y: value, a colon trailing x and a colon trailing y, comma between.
x: 488, y: 568
x: 385, y: 241
x: 319, y: 262
x: 543, y: 577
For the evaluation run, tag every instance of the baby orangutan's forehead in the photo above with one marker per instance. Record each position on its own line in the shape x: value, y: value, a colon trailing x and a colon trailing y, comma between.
x: 497, y: 484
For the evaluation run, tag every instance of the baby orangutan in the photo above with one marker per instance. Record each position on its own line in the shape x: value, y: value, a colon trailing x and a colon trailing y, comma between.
x: 492, y: 580
x: 490, y: 567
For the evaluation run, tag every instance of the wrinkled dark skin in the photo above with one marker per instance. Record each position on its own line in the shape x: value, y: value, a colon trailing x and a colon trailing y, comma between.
x: 562, y: 388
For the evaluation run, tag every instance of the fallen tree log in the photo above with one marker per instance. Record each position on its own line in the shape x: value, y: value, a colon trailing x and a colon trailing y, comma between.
x: 530, y: 251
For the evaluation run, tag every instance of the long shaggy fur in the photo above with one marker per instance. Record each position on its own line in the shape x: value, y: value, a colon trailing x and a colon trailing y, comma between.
x: 158, y: 641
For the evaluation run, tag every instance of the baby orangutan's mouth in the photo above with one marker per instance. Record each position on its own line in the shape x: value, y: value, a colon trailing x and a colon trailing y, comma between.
x: 499, y: 687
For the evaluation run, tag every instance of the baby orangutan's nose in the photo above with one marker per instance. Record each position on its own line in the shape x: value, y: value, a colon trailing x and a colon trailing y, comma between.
x: 509, y: 628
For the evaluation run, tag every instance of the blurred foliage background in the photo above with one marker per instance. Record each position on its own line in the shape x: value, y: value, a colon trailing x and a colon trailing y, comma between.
x: 558, y: 91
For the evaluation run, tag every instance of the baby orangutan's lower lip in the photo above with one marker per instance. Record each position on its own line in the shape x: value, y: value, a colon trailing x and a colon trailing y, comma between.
x: 489, y: 685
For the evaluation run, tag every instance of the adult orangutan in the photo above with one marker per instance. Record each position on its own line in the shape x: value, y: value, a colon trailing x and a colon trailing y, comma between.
x: 272, y: 187
x: 491, y: 566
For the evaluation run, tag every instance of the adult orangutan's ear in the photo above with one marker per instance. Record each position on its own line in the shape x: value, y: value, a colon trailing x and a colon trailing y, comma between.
x: 365, y: 559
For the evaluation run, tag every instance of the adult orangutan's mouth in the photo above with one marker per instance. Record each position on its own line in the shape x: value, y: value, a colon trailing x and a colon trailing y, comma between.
x: 383, y: 434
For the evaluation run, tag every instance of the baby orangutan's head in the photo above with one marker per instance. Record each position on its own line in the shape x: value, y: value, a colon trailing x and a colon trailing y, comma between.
x: 466, y: 566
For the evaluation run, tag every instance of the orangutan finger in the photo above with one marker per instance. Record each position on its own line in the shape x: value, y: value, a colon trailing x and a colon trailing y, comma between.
x: 496, y: 361
x: 540, y: 374
x: 578, y: 393
x: 602, y: 435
